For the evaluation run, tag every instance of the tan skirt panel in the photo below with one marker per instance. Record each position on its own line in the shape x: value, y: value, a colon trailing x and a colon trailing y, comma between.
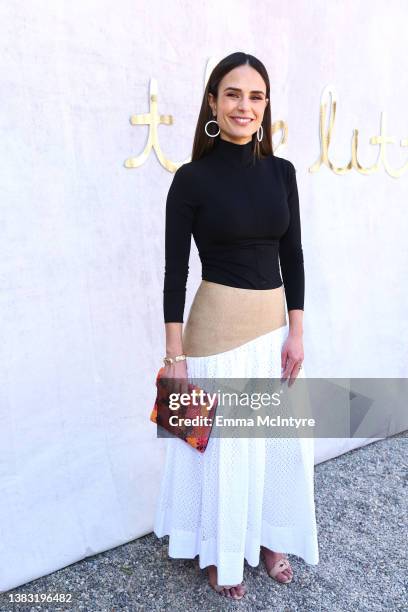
x: 222, y: 318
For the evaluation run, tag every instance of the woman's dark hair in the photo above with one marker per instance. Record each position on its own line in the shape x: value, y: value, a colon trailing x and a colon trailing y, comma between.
x: 203, y: 144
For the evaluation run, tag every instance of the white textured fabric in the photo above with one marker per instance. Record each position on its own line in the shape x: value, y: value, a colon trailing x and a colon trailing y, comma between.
x: 242, y: 492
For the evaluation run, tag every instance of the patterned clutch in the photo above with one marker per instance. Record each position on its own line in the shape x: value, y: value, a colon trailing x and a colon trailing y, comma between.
x: 192, y: 421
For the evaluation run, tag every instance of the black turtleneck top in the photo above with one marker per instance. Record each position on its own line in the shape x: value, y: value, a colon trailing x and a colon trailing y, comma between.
x: 244, y: 218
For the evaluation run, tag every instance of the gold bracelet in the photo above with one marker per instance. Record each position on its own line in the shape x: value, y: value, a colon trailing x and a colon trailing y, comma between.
x: 170, y: 360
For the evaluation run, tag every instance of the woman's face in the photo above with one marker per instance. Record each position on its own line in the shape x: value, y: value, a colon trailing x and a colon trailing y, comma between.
x: 241, y: 93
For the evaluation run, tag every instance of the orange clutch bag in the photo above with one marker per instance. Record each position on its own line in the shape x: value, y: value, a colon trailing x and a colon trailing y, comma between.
x: 192, y: 421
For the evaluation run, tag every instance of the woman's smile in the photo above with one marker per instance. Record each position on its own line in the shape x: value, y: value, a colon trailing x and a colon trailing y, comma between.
x: 242, y: 120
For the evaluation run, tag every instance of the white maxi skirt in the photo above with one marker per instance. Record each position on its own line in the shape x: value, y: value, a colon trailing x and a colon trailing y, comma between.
x: 240, y: 493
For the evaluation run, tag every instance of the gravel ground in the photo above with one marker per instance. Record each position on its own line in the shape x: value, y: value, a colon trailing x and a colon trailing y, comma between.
x: 362, y: 509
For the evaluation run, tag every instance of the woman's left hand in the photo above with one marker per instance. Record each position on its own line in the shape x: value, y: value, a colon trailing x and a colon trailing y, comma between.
x: 292, y: 357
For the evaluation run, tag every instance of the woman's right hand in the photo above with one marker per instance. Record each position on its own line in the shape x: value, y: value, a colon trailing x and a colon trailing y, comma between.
x: 178, y: 374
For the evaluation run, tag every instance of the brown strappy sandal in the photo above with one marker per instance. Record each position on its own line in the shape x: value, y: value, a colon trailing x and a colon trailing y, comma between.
x: 279, y: 567
x: 220, y: 588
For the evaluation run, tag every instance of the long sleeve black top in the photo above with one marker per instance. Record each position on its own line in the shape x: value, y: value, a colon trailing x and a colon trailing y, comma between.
x: 245, y: 220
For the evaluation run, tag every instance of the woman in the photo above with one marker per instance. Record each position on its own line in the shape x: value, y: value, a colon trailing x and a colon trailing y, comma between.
x: 240, y: 202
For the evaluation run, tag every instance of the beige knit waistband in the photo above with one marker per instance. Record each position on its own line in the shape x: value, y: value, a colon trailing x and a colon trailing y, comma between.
x: 222, y: 318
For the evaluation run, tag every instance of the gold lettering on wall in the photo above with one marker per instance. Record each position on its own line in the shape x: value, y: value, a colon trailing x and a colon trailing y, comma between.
x: 152, y: 119
x: 326, y: 114
x: 382, y: 140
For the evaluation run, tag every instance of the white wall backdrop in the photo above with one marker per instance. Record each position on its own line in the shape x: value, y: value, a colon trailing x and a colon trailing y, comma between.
x: 82, y: 236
